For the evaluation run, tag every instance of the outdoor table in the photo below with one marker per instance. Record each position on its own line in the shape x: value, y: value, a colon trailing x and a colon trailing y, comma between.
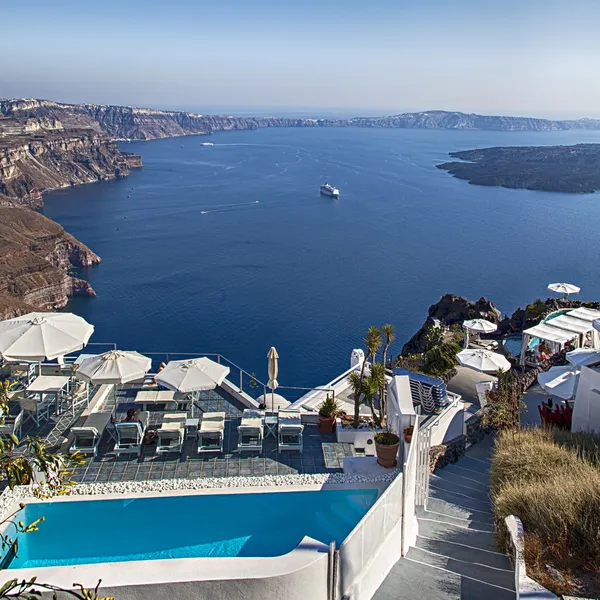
x: 154, y: 397
x: 271, y: 426
x: 191, y: 428
x: 51, y: 385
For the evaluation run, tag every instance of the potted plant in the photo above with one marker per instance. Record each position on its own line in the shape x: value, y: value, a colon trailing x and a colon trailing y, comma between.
x: 408, y: 432
x: 386, y: 445
x: 327, y: 414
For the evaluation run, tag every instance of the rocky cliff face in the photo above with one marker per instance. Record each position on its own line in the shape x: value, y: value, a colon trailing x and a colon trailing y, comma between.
x: 451, y: 309
x: 35, y: 257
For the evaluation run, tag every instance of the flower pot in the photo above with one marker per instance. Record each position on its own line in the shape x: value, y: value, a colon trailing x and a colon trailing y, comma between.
x: 408, y: 437
x: 326, y: 424
x: 386, y: 455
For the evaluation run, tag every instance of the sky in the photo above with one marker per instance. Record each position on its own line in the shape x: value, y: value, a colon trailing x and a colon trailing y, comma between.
x: 518, y: 57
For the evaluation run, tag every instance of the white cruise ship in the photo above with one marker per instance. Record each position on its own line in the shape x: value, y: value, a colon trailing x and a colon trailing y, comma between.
x: 329, y: 190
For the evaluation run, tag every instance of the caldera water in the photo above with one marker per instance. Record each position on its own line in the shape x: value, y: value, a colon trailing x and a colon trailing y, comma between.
x: 230, y: 248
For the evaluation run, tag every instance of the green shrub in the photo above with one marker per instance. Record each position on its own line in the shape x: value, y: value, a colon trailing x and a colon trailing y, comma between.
x: 441, y: 359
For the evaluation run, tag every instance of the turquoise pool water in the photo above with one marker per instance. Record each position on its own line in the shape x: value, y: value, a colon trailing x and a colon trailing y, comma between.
x: 209, y: 525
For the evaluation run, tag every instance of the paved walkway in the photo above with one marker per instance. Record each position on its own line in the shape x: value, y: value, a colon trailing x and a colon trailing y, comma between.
x: 455, y: 555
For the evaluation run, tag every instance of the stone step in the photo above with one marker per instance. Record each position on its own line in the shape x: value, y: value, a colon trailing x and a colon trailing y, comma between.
x: 443, y: 483
x: 450, y: 532
x: 474, y: 464
x: 477, y: 476
x: 488, y: 558
x: 460, y: 480
x: 448, y: 508
x: 462, y: 500
x: 413, y: 579
x: 453, y: 520
x: 503, y: 578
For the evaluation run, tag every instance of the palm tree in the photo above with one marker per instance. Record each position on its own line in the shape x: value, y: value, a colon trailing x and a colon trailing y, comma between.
x: 372, y: 342
x: 390, y: 335
x: 373, y: 385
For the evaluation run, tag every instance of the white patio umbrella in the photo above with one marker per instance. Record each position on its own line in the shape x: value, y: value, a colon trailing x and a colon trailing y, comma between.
x: 114, y: 366
x: 584, y: 357
x: 560, y: 381
x: 478, y: 326
x: 483, y: 360
x: 564, y: 288
x: 192, y: 375
x: 42, y: 336
x: 273, y: 372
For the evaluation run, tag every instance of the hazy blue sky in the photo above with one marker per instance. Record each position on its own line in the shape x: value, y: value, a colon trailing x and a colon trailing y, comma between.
x: 535, y: 57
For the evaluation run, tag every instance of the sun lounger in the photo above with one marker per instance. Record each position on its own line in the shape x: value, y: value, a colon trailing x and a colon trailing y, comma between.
x: 251, y: 430
x: 290, y: 430
x: 87, y: 437
x: 210, y: 432
x: 171, y: 433
x: 130, y: 434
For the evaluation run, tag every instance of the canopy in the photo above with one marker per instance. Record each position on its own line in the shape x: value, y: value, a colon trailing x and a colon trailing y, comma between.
x: 114, y: 366
x: 564, y: 288
x: 584, y: 357
x: 560, y: 381
x: 192, y: 375
x: 480, y: 325
x: 42, y: 336
x: 483, y: 360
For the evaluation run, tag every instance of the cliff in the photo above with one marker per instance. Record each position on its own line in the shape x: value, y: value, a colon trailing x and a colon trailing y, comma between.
x: 35, y: 257
x: 571, y: 169
x: 126, y: 122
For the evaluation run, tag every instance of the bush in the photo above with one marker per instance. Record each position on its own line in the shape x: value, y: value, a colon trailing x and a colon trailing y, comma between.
x: 554, y: 492
x: 441, y: 359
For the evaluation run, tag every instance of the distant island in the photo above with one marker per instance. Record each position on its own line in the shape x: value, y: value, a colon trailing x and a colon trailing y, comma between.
x: 571, y: 169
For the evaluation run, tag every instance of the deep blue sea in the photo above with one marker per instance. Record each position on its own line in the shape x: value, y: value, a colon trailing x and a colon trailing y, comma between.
x: 231, y: 249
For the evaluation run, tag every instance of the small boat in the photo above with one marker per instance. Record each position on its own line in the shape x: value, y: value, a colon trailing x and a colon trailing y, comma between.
x: 329, y: 190
x: 207, y: 144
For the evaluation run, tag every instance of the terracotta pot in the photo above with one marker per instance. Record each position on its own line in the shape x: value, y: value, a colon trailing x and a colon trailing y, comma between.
x: 326, y: 424
x: 408, y: 437
x: 386, y: 454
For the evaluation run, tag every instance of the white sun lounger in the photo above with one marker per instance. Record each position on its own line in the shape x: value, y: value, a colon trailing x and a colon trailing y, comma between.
x: 210, y: 432
x: 251, y: 430
x: 130, y: 434
x: 290, y: 430
x: 171, y: 433
x: 87, y: 437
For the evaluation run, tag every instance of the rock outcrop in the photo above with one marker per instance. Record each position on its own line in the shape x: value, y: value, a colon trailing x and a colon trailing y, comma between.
x: 450, y: 309
x: 36, y: 255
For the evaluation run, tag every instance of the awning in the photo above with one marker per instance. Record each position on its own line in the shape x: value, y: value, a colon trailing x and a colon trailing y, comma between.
x: 570, y: 323
x: 587, y: 314
x: 547, y: 332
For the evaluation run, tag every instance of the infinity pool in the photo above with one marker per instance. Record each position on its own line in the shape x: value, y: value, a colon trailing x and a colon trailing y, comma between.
x: 204, y: 525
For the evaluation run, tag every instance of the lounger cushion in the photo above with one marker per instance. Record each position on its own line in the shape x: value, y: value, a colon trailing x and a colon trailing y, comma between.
x: 212, y: 422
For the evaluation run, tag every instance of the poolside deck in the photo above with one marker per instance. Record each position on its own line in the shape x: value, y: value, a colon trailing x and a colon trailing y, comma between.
x: 321, y: 453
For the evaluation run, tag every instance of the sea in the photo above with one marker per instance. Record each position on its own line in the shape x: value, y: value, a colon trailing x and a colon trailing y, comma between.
x: 231, y: 249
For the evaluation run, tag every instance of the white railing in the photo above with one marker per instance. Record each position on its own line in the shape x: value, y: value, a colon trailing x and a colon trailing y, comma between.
x: 366, y: 539
x: 409, y: 485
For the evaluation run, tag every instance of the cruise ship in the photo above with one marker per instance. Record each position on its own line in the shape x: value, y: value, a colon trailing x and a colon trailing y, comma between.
x: 329, y: 190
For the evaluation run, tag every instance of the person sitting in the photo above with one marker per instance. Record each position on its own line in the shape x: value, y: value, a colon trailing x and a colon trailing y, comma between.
x: 133, y: 416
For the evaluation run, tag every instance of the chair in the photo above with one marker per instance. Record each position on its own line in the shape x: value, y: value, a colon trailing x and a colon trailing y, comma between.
x: 210, y: 432
x: 78, y: 396
x: 36, y: 410
x: 12, y: 425
x: 130, y: 435
x: 251, y: 430
x: 171, y: 433
x: 290, y: 430
x: 87, y: 437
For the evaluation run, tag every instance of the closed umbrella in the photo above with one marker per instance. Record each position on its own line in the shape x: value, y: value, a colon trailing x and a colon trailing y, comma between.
x: 192, y: 375
x: 560, y: 381
x: 483, y: 360
x: 42, y: 336
x: 114, y: 366
x: 478, y: 326
x: 273, y: 372
x: 564, y: 288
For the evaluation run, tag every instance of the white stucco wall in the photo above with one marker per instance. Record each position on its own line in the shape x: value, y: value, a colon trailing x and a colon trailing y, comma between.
x: 586, y: 412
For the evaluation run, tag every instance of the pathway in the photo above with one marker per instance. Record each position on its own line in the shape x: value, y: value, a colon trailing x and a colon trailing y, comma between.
x: 455, y: 555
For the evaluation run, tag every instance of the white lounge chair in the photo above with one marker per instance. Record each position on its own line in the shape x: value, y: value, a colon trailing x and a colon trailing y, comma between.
x: 130, y: 434
x: 171, y: 433
x: 210, y: 432
x: 251, y: 430
x: 290, y: 430
x: 87, y: 437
